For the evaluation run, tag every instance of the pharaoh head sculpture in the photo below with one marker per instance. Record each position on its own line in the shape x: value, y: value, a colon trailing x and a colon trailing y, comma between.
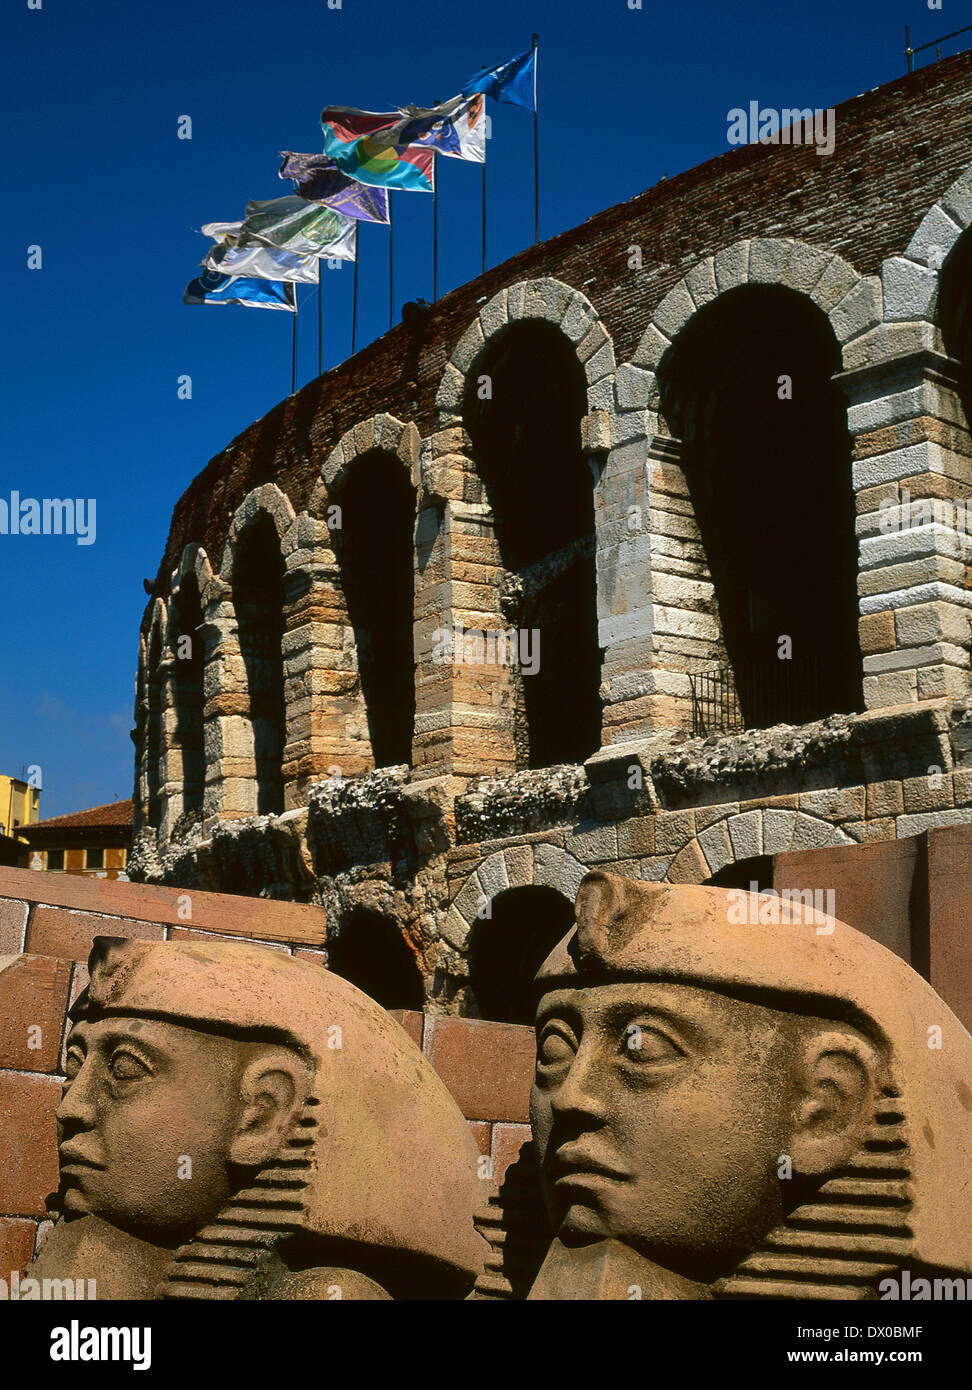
x: 740, y: 1110
x: 238, y: 1122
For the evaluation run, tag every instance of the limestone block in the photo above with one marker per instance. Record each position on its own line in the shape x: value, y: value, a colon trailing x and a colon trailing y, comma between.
x: 777, y: 831
x: 957, y: 201
x: 935, y: 237
x: 469, y: 347
x: 449, y: 398
x: 494, y: 315
x: 674, y: 312
x: 924, y: 623
x: 837, y: 279
x: 809, y: 833
x: 785, y: 262
x: 926, y: 457
x: 746, y: 834
x: 884, y: 799
x: 701, y: 282
x: 548, y: 865
x: 731, y: 266
x: 892, y: 688
x: 834, y: 803
x: 930, y: 820
x: 859, y: 310
x: 595, y: 845
x: 651, y: 349
x: 913, y: 657
x: 570, y: 876
x: 673, y: 829
x: 909, y: 290
x: 716, y: 846
x: 930, y: 793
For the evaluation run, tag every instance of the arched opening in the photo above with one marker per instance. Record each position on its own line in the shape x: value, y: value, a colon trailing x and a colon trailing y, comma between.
x: 743, y: 873
x: 374, y: 546
x: 188, y: 665
x: 525, y: 400
x: 371, y: 952
x: 153, y: 731
x: 748, y: 387
x: 955, y: 315
x: 258, y: 598
x: 507, y: 948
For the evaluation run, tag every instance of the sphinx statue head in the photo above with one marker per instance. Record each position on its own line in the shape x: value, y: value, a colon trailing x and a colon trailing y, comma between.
x: 727, y: 1108
x: 236, y: 1122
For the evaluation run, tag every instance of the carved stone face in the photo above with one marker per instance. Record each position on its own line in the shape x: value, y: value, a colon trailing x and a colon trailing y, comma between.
x: 145, y: 1124
x: 660, y: 1112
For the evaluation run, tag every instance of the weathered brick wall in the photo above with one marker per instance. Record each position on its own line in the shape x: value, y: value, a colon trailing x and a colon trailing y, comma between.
x: 898, y: 149
x: 47, y: 924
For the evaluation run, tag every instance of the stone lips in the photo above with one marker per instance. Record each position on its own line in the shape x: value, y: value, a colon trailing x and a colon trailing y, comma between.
x: 627, y: 928
x: 395, y: 1163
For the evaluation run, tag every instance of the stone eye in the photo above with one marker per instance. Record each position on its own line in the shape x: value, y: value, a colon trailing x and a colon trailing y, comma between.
x: 73, y: 1064
x: 125, y: 1066
x: 554, y: 1049
x: 644, y: 1044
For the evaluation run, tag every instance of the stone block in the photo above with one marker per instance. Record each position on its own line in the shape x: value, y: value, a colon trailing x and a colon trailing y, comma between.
x: 876, y: 632
x: 488, y: 1067
x: 548, y: 865
x: 17, y: 1237
x: 673, y: 829
x: 33, y: 1001
x: 731, y: 266
x: 674, y: 312
x: 910, y: 290
x: 507, y: 1141
x: 859, y: 310
x: 716, y: 846
x: 884, y: 799
x: 834, y: 804
x: 893, y: 688
x: 931, y: 793
x: 930, y: 820
x: 28, y: 1141
x: 13, y: 925
x: 777, y: 831
x: 746, y: 834
x: 595, y: 845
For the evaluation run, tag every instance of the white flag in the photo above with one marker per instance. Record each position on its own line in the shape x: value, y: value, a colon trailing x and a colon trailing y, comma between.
x: 263, y: 263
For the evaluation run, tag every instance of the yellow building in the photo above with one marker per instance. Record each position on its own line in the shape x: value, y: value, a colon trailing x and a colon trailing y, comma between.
x: 19, y: 805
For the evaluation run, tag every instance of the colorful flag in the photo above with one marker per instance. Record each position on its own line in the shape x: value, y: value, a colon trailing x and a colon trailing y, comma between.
x: 366, y: 147
x: 456, y: 128
x: 514, y: 81
x: 263, y: 263
x: 293, y: 224
x: 317, y: 179
x: 213, y: 288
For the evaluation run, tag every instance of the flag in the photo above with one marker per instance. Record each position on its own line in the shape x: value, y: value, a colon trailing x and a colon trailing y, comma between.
x: 213, y: 288
x: 456, y: 128
x: 293, y: 224
x: 514, y: 81
x: 263, y: 263
x: 366, y: 146
x: 318, y: 179
x: 222, y: 231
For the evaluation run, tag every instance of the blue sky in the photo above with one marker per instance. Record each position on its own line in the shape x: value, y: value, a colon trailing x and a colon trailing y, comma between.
x: 96, y: 340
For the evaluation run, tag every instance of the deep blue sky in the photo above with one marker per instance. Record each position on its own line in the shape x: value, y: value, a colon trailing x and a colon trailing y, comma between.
x: 94, y: 173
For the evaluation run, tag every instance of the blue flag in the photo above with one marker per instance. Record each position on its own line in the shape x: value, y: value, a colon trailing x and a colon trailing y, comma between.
x: 213, y: 288
x: 514, y: 81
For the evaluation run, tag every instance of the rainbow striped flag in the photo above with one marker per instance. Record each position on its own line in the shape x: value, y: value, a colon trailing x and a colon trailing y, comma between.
x: 372, y: 147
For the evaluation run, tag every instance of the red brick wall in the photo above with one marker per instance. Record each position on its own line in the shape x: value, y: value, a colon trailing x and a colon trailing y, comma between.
x: 48, y: 921
x: 898, y: 148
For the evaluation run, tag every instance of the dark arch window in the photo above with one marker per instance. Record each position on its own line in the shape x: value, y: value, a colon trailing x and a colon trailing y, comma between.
x: 374, y: 546
x: 372, y: 953
x: 258, y: 598
x: 186, y: 641
x: 770, y: 482
x: 743, y: 873
x: 955, y: 314
x: 153, y: 731
x: 507, y: 949
x: 526, y: 438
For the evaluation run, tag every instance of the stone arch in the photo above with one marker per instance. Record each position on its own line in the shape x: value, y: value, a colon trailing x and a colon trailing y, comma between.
x: 269, y: 499
x: 910, y: 282
x: 850, y: 300
x: 383, y: 432
x: 547, y: 299
x: 184, y: 738
x: 747, y: 835
x: 370, y: 482
x: 520, y: 866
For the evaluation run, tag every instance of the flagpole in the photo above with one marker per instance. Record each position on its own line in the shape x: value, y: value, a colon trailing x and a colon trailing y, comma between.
x: 484, y: 213
x: 354, y: 301
x: 293, y: 369
x: 435, y: 232
x: 536, y: 140
x: 391, y: 262
x: 320, y: 317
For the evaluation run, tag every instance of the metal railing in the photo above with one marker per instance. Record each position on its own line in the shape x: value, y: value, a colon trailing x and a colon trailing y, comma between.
x: 760, y: 694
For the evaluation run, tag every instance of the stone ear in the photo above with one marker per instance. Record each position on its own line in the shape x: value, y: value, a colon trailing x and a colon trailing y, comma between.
x: 272, y: 1091
x: 836, y: 1089
x: 599, y: 906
